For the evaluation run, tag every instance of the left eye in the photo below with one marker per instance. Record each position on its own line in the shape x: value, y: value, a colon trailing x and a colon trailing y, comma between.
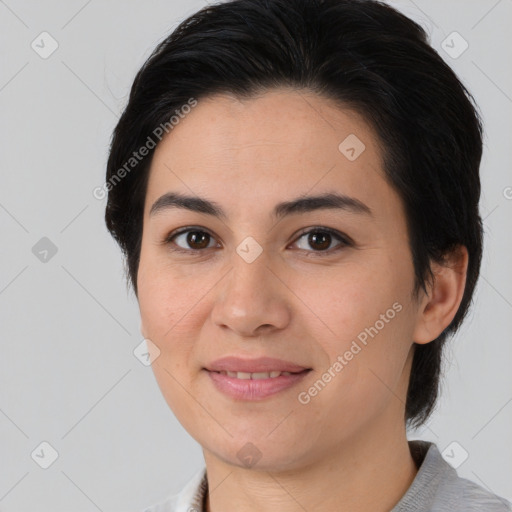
x: 321, y: 239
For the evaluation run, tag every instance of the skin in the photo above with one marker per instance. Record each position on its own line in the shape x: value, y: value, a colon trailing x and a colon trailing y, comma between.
x: 347, y: 448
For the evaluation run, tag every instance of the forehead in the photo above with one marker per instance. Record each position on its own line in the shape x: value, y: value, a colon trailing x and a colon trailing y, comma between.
x: 278, y: 144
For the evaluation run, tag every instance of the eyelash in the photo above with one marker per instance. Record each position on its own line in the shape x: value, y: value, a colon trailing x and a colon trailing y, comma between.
x: 344, y: 240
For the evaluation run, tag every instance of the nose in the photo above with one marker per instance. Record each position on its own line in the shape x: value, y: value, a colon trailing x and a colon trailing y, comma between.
x: 252, y: 300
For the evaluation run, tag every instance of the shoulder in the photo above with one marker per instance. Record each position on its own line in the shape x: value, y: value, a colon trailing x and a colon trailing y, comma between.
x: 189, y: 499
x: 459, y: 494
x: 448, y: 491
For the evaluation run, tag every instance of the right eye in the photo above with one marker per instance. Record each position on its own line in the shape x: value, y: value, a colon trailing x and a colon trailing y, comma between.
x: 190, y: 240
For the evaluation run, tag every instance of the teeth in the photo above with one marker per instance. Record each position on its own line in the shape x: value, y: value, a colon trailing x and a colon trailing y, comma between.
x: 256, y: 375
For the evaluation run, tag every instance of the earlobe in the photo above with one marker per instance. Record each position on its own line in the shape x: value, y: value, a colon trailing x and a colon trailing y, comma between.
x: 439, y: 307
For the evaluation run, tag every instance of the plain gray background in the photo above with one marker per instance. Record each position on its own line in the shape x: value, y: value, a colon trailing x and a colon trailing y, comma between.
x: 68, y: 375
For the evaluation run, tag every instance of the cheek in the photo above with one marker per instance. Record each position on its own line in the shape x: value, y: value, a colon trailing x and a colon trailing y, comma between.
x: 169, y: 300
x: 363, y: 376
x: 169, y: 310
x: 344, y: 303
x: 364, y: 331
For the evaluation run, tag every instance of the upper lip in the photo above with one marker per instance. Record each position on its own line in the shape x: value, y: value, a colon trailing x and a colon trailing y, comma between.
x: 261, y: 364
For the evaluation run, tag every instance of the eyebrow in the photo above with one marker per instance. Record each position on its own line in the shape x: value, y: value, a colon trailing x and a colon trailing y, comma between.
x: 302, y: 204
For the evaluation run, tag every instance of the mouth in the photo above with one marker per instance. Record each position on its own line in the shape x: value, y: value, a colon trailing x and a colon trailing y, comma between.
x: 258, y: 375
x: 255, y: 386
x: 260, y: 368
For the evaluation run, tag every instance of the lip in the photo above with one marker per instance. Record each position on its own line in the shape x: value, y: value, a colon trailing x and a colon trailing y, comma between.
x: 261, y: 364
x: 254, y: 390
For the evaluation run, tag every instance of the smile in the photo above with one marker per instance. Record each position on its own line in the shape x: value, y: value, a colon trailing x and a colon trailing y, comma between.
x: 254, y: 386
x: 256, y: 375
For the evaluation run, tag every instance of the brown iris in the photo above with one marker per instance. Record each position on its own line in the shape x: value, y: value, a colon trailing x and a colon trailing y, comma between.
x: 319, y: 239
x: 200, y: 238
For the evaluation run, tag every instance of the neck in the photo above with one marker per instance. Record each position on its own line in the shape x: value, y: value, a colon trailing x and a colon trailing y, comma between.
x: 369, y: 472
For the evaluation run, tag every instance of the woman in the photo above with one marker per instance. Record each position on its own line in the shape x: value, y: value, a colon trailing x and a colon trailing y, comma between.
x: 295, y: 186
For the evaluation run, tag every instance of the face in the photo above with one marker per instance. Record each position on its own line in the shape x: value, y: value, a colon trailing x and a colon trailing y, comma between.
x: 325, y: 286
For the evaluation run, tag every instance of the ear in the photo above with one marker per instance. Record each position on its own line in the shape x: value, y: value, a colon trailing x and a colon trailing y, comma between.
x: 438, y: 308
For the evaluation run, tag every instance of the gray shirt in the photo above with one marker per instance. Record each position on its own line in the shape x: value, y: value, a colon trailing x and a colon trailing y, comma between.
x: 436, y: 488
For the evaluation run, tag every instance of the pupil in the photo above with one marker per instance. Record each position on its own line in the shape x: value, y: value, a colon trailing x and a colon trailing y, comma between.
x: 313, y: 239
x: 193, y: 237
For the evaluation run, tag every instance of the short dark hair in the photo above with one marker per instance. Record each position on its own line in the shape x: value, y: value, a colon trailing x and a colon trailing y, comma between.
x: 366, y: 56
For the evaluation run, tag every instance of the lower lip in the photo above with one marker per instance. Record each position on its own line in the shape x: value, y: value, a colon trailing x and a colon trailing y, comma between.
x: 254, y: 389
